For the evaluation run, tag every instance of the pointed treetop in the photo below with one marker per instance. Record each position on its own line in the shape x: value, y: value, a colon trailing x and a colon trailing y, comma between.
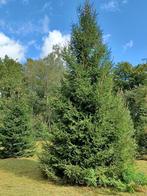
x: 86, y: 40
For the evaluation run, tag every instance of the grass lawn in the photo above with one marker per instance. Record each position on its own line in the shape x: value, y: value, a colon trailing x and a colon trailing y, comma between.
x: 22, y: 177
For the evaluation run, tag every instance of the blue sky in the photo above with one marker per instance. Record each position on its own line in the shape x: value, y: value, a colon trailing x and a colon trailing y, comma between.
x: 29, y: 28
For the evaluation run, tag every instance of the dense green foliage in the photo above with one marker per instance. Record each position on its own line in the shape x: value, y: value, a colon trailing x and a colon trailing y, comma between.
x: 132, y: 80
x: 33, y: 83
x: 16, y: 135
x: 42, y: 77
x: 127, y: 76
x: 11, y: 84
x: 92, y: 133
x: 15, y: 118
x: 11, y: 78
x: 137, y: 103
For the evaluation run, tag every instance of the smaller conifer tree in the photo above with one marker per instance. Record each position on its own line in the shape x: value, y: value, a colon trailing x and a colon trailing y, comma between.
x: 16, y: 139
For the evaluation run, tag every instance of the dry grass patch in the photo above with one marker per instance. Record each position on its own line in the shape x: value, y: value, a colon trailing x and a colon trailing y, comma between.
x: 22, y: 177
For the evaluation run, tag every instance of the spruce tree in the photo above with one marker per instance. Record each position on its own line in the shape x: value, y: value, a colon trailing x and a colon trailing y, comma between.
x: 92, y: 133
x: 16, y: 139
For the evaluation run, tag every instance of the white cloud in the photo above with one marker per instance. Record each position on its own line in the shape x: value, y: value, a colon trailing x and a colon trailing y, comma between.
x: 54, y: 38
x: 32, y: 43
x: 2, y: 23
x: 30, y: 27
x: 3, y: 1
x: 11, y: 48
x: 128, y: 45
x: 47, y: 5
x: 24, y: 29
x: 106, y: 37
x: 45, y: 24
x: 113, y: 5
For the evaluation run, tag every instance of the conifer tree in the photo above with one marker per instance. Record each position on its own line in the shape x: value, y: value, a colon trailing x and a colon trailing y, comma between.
x: 16, y: 139
x: 92, y: 133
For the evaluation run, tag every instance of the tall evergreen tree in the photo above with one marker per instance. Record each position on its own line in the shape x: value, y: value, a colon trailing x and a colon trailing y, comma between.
x: 92, y: 132
x: 15, y: 135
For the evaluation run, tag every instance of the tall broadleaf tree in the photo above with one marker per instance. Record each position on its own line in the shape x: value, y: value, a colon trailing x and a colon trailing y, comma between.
x: 92, y: 133
x: 42, y: 78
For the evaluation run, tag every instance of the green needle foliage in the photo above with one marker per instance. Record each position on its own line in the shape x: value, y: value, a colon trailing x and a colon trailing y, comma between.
x: 15, y: 134
x: 132, y: 80
x: 137, y: 103
x: 92, y: 133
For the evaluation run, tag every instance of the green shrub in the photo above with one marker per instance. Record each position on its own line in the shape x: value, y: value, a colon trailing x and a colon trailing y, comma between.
x: 131, y: 175
x: 77, y: 175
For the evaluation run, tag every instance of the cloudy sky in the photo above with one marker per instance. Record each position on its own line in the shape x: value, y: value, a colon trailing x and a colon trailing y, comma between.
x: 29, y: 28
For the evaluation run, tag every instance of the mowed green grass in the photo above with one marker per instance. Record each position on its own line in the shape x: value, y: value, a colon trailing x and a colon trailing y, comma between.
x: 22, y: 177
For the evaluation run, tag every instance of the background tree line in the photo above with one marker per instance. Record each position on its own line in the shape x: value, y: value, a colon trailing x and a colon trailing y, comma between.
x: 27, y: 88
x: 132, y: 81
x: 37, y: 81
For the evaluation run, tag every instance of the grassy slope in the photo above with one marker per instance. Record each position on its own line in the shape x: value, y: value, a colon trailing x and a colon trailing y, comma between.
x: 22, y: 177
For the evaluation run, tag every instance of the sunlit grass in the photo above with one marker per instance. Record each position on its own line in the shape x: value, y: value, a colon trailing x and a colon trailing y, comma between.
x: 22, y: 177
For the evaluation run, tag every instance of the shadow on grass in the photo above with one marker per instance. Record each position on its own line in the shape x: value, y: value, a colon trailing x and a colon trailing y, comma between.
x: 29, y: 168
x: 22, y: 168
